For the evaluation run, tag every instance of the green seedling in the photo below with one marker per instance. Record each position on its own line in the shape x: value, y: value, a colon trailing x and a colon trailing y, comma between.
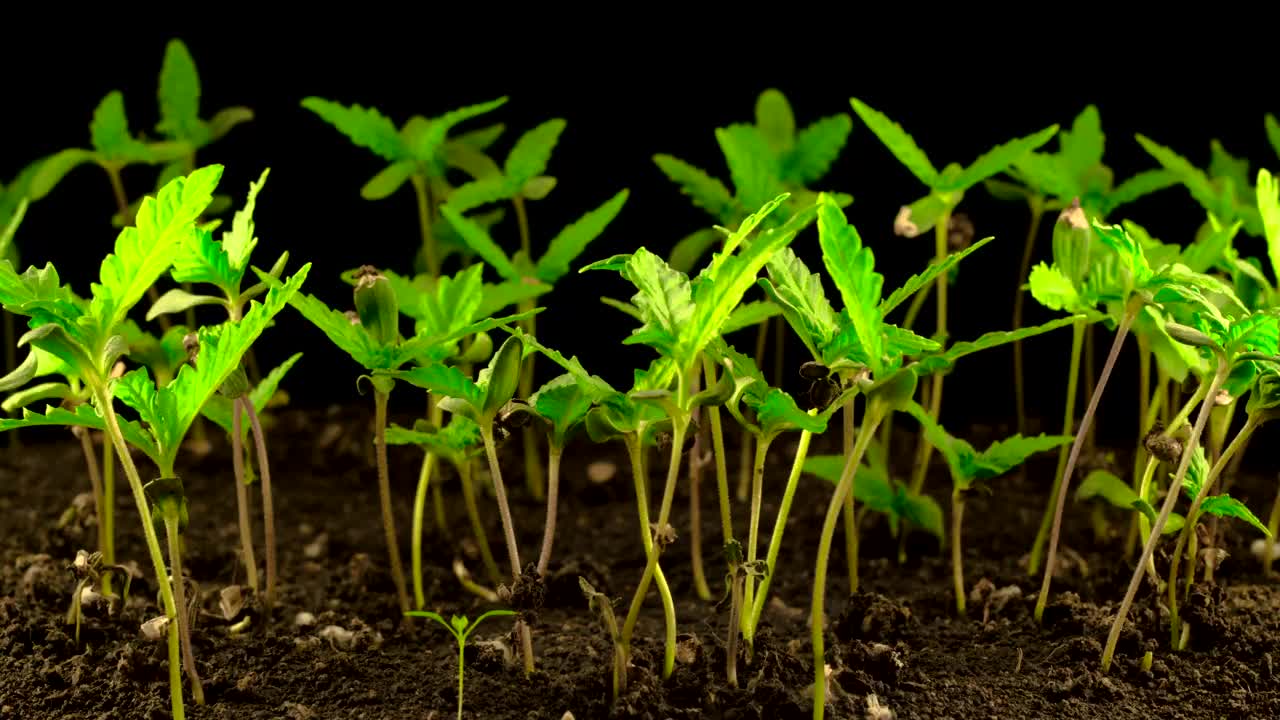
x: 968, y: 468
x: 457, y: 443
x: 15, y: 199
x: 1128, y: 284
x: 1237, y: 341
x: 420, y: 152
x: 600, y: 603
x: 488, y: 402
x: 461, y: 629
x: 1223, y: 189
x: 529, y: 158
x: 682, y: 318
x: 371, y: 337
x: 947, y: 188
x: 90, y: 570
x: 1108, y: 487
x: 1052, y: 182
x: 764, y: 159
x: 223, y: 265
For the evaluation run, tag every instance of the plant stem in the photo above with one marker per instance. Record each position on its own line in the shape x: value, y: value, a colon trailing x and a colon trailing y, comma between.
x: 242, y: 497
x: 1187, y: 538
x: 509, y: 530
x: 384, y: 493
x: 95, y: 482
x: 1171, y: 499
x: 477, y: 527
x: 1121, y: 332
x: 179, y: 599
x: 1089, y: 360
x: 735, y: 612
x: 638, y: 472
x: 423, y: 194
x: 757, y: 499
x: 534, y: 480
x: 1036, y: 203
x: 850, y: 519
x: 1068, y: 422
x: 103, y: 399
x: 653, y: 551
x: 696, y: 466
x: 957, y: 555
x: 553, y: 494
x: 940, y: 231
x: 108, y: 517
x: 775, y: 539
x: 419, y: 519
x: 874, y: 414
x: 268, y: 506
x: 779, y: 349
x: 717, y: 446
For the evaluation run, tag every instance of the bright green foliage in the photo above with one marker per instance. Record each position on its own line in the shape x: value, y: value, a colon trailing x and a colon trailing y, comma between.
x: 769, y: 411
x: 764, y: 159
x: 948, y: 185
x: 1107, y: 486
x: 1223, y: 191
x: 522, y: 174
x: 456, y: 442
x: 563, y: 249
x: 218, y: 407
x: 1221, y: 505
x: 478, y: 400
x: 874, y: 489
x: 460, y: 628
x: 968, y: 465
x: 1076, y: 170
x: 179, y: 94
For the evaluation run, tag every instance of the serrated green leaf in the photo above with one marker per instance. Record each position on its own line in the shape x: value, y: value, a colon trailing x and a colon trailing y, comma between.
x: 109, y: 131
x: 1228, y: 507
x: 1082, y: 146
x: 777, y: 412
x: 388, y: 180
x: 365, y: 127
x: 499, y: 296
x: 1194, y: 179
x: 532, y: 152
x: 665, y: 299
x: 478, y: 240
x: 564, y: 403
x: 803, y: 301
x: 815, y: 150
x: 1045, y: 174
x: 1268, y: 198
x: 898, y: 142
x: 426, y: 144
x: 918, y: 281
x: 201, y: 259
x: 218, y: 408
x: 570, y: 242
x: 996, y: 160
x: 83, y: 416
x: 706, y: 192
x: 481, y: 192
x: 227, y: 118
x: 957, y: 452
x: 1136, y: 187
x: 1053, y: 289
x: 749, y: 315
x: 752, y: 168
x: 145, y: 251
x: 445, y: 381
x: 179, y: 96
x: 901, y: 341
x: 986, y: 341
x: 851, y: 265
x: 1004, y: 455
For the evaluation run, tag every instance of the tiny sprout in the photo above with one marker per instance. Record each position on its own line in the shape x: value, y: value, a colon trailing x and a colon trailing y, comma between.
x: 460, y: 628
x: 89, y: 569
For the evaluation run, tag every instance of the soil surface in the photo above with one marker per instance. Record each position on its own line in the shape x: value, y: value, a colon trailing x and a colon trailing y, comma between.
x: 895, y: 648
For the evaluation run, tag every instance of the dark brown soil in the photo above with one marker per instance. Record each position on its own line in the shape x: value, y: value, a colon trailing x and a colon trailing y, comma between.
x: 897, y: 643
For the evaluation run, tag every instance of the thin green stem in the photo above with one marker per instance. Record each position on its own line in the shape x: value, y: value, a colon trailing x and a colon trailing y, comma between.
x: 638, y: 472
x: 419, y: 520
x: 1036, y: 203
x: 103, y: 399
x: 957, y: 555
x: 425, y: 212
x: 1171, y: 499
x: 1121, y: 332
x: 179, y: 599
x: 1068, y: 422
x: 95, y: 483
x: 108, y: 516
x: 1187, y: 538
x: 655, y: 550
x: 553, y: 494
x: 384, y: 496
x: 509, y: 531
x: 696, y: 466
x: 775, y: 539
x: 757, y: 500
x: 1090, y: 360
x: 242, y: 497
x: 875, y: 413
x: 477, y: 526
x: 717, y: 446
x: 268, y: 505
x: 846, y: 510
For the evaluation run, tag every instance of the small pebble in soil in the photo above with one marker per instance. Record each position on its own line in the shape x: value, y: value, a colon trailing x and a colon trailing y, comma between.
x: 602, y: 471
x: 304, y: 619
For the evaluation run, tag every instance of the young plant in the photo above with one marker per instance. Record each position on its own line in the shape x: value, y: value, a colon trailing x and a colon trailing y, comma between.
x: 1131, y: 284
x: 223, y: 265
x: 526, y: 162
x: 1237, y: 340
x: 968, y: 468
x: 461, y: 629
x: 682, y: 318
x: 600, y: 603
x: 946, y: 190
x: 488, y: 403
x: 420, y: 152
x: 1223, y: 190
x: 371, y: 336
x: 1052, y: 182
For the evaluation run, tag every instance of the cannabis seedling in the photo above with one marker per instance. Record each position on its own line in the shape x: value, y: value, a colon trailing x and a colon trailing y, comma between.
x: 460, y: 628
x: 969, y: 467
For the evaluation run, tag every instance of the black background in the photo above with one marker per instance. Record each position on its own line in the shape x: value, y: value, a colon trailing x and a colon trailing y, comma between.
x: 628, y: 90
